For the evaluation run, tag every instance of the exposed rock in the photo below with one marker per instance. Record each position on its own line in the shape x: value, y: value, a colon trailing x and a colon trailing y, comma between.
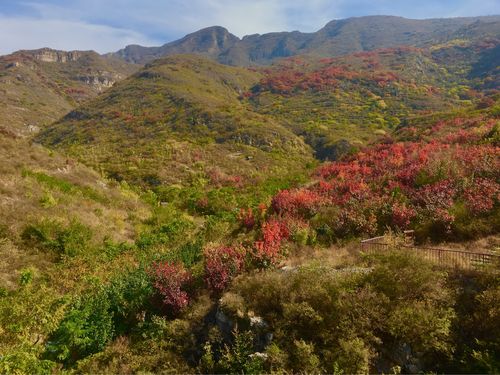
x: 288, y: 269
x: 258, y: 322
x: 99, y: 81
x: 15, y: 64
x: 33, y: 129
x: 50, y: 55
x: 224, y: 324
x: 260, y: 355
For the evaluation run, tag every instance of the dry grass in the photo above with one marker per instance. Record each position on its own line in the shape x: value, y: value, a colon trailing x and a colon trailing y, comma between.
x: 334, y: 256
x: 36, y: 184
x: 489, y: 244
x: 13, y: 260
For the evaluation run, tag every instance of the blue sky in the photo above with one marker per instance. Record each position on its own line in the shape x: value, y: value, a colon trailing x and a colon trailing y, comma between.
x: 108, y: 25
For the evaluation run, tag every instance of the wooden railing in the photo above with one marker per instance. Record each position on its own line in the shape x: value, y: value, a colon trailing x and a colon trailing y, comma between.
x: 453, y: 258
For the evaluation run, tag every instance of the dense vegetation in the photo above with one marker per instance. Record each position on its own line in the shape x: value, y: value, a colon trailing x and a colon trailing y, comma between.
x: 197, y: 217
x: 439, y: 178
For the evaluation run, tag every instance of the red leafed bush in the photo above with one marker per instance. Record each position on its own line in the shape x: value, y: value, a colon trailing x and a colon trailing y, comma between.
x: 219, y: 179
x: 267, y: 250
x: 432, y: 174
x: 170, y: 281
x: 481, y: 195
x: 437, y: 196
x: 221, y: 265
x: 288, y: 79
x: 246, y: 218
x: 301, y: 201
x: 402, y: 215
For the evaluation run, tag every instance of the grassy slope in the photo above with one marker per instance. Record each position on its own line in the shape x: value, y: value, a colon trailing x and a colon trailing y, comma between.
x: 38, y: 185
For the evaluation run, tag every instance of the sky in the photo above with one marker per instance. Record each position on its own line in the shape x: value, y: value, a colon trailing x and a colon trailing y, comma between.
x: 108, y: 25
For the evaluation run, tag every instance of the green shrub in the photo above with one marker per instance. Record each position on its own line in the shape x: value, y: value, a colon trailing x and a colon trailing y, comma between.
x: 71, y: 240
x: 86, y: 329
x: 303, y: 359
x: 26, y: 277
x: 96, y: 318
x: 239, y: 357
x: 112, y: 249
x: 353, y: 357
x: 25, y: 361
x: 168, y: 230
x: 343, y: 321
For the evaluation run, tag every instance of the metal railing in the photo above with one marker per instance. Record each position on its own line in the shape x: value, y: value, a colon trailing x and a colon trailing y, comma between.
x: 448, y: 257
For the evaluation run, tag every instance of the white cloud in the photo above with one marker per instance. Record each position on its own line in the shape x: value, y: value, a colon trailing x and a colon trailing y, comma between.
x: 28, y: 33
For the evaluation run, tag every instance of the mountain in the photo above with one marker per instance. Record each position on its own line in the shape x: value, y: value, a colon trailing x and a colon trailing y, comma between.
x: 39, y: 86
x: 210, y: 42
x: 338, y: 37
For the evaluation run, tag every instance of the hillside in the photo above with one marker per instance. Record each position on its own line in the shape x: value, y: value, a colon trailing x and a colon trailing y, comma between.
x: 343, y: 102
x: 338, y: 37
x: 40, y: 86
x: 173, y: 298
x: 437, y: 174
x: 45, y: 194
x: 177, y: 119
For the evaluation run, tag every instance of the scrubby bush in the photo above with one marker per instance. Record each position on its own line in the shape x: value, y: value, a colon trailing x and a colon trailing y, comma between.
x: 267, y: 251
x: 95, y: 318
x: 170, y: 281
x: 237, y: 358
x: 86, y: 329
x: 332, y: 320
x: 222, y: 264
x: 247, y: 218
x: 293, y: 202
x: 167, y: 227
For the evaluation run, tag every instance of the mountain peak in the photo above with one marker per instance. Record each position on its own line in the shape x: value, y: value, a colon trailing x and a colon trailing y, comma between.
x: 337, y: 37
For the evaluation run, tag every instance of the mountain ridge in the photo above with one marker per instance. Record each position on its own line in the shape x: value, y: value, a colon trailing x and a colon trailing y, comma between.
x: 337, y: 37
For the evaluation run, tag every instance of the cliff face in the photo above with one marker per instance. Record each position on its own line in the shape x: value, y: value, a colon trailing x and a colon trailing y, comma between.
x: 50, y: 55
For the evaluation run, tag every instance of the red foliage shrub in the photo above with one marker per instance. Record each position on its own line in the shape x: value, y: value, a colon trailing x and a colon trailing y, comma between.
x: 221, y: 265
x: 170, y: 280
x: 288, y: 79
x: 219, y: 178
x: 481, y: 195
x: 402, y: 215
x: 437, y: 196
x: 299, y: 201
x: 430, y: 174
x: 267, y: 251
x: 202, y: 203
